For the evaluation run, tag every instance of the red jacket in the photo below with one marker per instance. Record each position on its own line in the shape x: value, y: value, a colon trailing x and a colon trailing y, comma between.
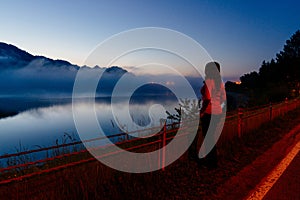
x: 212, y: 98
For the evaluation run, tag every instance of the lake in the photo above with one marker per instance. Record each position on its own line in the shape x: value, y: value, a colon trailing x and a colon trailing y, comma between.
x: 48, y: 122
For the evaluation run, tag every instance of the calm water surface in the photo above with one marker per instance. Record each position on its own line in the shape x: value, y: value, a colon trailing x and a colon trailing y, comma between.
x: 53, y: 124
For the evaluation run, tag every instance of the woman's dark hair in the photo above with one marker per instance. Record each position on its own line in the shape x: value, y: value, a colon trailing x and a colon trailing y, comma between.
x: 212, y: 71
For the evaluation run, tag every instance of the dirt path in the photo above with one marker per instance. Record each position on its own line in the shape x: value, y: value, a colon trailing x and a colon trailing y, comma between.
x: 251, y: 175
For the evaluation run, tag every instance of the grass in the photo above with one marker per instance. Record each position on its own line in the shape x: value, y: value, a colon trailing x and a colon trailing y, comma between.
x: 22, y: 159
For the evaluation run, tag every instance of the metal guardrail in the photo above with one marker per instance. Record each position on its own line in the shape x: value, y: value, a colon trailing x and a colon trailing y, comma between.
x: 236, y: 124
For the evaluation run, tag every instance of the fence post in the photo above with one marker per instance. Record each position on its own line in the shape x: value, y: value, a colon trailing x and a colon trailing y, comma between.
x: 162, y: 144
x: 271, y: 111
x: 163, y: 147
x: 240, y: 113
x: 286, y: 105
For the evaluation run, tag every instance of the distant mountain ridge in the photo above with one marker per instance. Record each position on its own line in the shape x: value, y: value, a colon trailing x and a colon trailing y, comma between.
x: 11, y: 57
x: 9, y: 49
x: 25, y: 74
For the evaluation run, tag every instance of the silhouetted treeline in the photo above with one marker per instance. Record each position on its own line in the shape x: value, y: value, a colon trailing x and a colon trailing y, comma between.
x: 276, y: 80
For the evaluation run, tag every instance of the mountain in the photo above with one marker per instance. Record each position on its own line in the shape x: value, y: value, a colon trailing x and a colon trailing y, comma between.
x: 24, y: 74
x: 47, y: 62
x: 13, y: 57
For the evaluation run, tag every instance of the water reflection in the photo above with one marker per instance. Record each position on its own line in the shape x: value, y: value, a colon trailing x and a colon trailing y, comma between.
x: 45, y: 126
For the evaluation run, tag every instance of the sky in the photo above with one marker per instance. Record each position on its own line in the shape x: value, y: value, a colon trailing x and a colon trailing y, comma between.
x: 238, y: 34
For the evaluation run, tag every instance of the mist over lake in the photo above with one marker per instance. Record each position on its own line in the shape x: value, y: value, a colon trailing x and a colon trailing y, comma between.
x: 36, y: 99
x: 46, y: 122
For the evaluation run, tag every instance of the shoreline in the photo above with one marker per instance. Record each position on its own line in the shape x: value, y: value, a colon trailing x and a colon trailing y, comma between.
x: 7, y: 114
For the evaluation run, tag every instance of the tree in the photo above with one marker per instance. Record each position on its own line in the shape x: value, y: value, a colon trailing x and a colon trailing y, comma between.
x: 288, y: 60
x: 250, y: 80
x: 277, y: 79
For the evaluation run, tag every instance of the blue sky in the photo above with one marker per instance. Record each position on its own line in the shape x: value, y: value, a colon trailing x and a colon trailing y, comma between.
x: 239, y: 34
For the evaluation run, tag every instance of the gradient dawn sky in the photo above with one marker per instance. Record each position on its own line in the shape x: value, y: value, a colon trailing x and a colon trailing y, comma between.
x: 238, y: 34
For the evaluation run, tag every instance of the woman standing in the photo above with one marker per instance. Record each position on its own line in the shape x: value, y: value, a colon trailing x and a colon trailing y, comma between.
x: 213, y: 96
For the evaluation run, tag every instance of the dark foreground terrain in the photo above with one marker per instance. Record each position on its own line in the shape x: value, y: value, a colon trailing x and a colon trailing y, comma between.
x: 183, y: 179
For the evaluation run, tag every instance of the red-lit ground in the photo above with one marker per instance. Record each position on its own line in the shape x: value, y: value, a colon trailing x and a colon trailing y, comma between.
x: 248, y: 180
x: 288, y: 185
